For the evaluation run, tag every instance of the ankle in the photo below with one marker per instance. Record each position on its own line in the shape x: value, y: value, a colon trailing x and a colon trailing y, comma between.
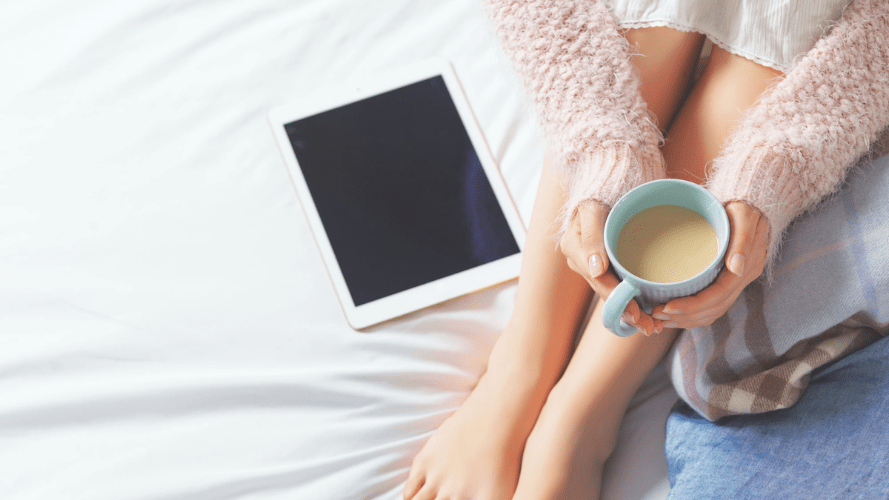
x: 595, y: 421
x: 531, y: 353
x: 514, y: 385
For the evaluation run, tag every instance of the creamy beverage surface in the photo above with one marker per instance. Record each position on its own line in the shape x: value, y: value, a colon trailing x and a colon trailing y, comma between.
x: 666, y: 244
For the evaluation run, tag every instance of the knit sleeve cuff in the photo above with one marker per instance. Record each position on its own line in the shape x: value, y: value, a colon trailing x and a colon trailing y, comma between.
x: 769, y: 183
x: 604, y: 175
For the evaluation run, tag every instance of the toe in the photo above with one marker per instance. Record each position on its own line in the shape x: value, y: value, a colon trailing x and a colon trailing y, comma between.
x: 427, y: 492
x: 415, y: 481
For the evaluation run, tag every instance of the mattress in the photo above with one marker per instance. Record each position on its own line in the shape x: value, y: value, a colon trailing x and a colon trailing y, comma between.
x: 168, y: 329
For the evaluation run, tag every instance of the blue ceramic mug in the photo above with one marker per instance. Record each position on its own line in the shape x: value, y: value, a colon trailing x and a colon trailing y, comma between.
x: 649, y: 293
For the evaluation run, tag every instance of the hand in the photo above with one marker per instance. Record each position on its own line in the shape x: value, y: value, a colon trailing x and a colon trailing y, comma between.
x: 744, y: 262
x: 584, y: 246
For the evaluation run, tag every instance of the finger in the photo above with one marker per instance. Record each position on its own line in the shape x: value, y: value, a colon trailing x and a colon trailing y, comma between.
x: 657, y: 312
x: 705, y: 316
x: 646, y: 325
x: 582, y: 273
x: 684, y: 320
x: 603, y: 285
x: 727, y: 286
x: 606, y: 283
x: 572, y: 249
x: 743, y: 220
x: 631, y: 313
x: 761, y: 245
x: 634, y: 315
x: 658, y: 326
x: 749, y: 235
x: 705, y: 319
x: 659, y: 317
x: 592, y: 227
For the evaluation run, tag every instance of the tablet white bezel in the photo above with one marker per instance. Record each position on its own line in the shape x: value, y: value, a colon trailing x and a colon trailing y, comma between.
x: 431, y: 293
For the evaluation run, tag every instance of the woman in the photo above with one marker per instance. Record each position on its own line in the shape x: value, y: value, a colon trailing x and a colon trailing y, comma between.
x: 544, y: 417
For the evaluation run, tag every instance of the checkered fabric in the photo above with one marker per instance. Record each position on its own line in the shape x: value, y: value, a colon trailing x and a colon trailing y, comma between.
x: 829, y: 297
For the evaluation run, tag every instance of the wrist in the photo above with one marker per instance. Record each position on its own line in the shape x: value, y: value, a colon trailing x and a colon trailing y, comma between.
x: 606, y: 174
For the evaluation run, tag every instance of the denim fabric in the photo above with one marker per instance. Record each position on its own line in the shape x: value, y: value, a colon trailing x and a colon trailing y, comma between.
x: 834, y: 443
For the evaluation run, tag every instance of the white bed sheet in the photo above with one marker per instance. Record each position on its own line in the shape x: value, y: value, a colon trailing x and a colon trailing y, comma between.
x: 168, y: 330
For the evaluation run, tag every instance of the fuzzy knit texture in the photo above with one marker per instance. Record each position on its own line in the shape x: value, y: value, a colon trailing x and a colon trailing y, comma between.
x: 576, y: 67
x: 789, y: 151
x: 795, y: 146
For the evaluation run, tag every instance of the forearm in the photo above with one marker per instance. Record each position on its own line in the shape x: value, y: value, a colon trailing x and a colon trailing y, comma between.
x: 576, y: 67
x: 796, y: 145
x: 551, y: 300
x: 605, y: 373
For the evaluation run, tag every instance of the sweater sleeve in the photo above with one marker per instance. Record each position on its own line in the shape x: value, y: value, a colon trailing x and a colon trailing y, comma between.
x: 795, y: 146
x: 576, y: 67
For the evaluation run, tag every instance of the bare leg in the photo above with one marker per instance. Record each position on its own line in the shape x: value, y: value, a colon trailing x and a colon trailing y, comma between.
x: 577, y: 428
x: 729, y: 85
x: 666, y: 59
x: 476, y: 453
x: 578, y: 425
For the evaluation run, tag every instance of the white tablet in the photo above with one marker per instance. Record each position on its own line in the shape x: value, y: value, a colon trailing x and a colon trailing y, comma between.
x: 401, y: 192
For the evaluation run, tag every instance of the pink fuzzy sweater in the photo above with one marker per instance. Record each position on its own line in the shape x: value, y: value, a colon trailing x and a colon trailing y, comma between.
x: 788, y: 152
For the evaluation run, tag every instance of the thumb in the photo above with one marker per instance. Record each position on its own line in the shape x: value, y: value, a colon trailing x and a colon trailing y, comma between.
x: 743, y: 220
x: 592, y: 230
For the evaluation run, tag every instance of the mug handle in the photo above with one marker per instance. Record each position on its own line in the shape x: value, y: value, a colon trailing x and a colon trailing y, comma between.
x: 614, y: 307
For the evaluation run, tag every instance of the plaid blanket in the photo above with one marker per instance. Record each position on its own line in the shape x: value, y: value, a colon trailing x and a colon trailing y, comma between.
x: 829, y: 297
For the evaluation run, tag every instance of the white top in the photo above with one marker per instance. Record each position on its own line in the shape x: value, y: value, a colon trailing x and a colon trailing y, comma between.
x: 772, y: 33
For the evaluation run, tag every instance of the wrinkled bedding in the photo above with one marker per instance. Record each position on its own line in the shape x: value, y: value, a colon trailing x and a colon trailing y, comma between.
x: 167, y: 329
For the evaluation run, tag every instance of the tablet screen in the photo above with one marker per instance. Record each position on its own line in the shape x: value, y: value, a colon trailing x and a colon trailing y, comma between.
x: 400, y: 190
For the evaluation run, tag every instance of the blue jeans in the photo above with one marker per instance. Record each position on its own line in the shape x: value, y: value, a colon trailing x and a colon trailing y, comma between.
x: 833, y: 443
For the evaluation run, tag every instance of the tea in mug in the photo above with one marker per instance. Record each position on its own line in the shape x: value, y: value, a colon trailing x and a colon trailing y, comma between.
x: 667, y: 244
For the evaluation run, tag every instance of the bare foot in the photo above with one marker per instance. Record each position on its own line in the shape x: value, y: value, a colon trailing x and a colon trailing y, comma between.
x: 565, y: 453
x: 476, y: 452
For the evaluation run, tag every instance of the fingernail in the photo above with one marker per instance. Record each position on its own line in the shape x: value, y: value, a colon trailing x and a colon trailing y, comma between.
x: 672, y: 311
x: 736, y: 264
x: 626, y: 317
x: 661, y: 316
x: 595, y: 265
x: 671, y: 324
